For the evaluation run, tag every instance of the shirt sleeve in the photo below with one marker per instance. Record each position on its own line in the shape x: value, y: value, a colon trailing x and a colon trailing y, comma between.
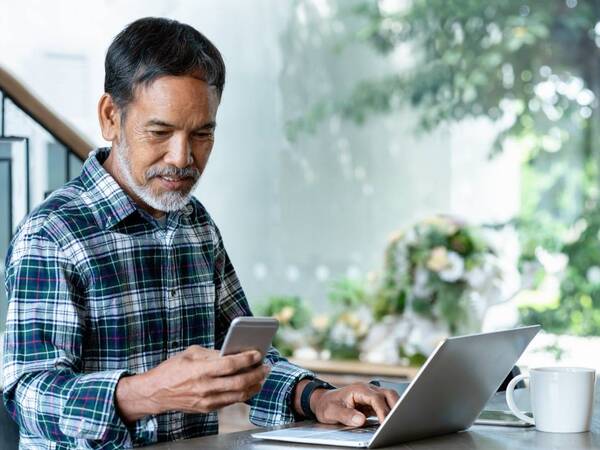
x: 273, y: 404
x: 45, y: 390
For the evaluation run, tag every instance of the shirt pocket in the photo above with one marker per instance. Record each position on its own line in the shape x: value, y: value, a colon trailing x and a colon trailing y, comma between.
x: 199, y: 315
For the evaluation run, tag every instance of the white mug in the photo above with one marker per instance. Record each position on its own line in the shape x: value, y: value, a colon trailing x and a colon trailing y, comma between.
x: 562, y: 398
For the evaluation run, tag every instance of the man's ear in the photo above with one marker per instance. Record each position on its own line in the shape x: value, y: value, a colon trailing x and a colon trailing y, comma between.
x: 109, y: 116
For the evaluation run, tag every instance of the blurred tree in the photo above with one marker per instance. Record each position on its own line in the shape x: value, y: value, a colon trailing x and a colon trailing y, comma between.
x: 532, y: 67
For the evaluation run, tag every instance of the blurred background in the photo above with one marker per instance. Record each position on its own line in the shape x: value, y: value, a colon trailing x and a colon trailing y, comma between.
x: 385, y: 173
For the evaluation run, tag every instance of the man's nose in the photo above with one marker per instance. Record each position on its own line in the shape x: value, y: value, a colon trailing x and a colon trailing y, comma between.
x: 179, y: 153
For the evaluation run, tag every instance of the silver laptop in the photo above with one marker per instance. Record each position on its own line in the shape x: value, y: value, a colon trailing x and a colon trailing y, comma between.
x: 446, y: 396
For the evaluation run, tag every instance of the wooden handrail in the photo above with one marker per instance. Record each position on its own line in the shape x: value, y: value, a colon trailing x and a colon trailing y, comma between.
x: 58, y: 127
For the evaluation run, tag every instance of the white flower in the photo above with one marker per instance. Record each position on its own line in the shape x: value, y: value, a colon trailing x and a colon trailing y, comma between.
x: 285, y: 315
x: 306, y: 352
x: 425, y: 335
x: 454, y: 269
x: 292, y: 337
x: 503, y: 242
x: 574, y: 233
x: 364, y: 320
x: 421, y: 289
x: 484, y: 274
x: 343, y: 334
x: 384, y: 339
x: 552, y: 262
x: 494, y: 279
x: 438, y: 259
x: 320, y: 322
x: 593, y: 275
x: 477, y: 277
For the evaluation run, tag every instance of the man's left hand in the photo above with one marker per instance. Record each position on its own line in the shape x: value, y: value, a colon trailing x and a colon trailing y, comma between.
x: 351, y: 405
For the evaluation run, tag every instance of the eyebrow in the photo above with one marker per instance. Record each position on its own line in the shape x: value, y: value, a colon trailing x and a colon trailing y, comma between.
x: 160, y: 123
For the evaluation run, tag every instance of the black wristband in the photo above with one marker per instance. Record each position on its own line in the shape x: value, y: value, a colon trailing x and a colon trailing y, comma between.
x: 307, y: 393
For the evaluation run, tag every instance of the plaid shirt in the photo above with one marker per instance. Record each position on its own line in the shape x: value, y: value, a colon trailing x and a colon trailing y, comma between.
x: 98, y: 289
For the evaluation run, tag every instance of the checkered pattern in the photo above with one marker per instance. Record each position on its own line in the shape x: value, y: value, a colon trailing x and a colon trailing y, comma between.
x: 97, y: 289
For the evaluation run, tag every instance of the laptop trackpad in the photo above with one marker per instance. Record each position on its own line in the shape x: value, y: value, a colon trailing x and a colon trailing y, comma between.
x: 322, y: 432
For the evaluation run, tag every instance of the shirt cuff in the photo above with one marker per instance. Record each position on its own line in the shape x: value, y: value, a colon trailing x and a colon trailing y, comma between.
x: 144, y: 431
x: 90, y: 412
x: 273, y: 405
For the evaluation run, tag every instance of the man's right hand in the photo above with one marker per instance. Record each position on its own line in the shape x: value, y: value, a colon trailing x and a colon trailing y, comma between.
x: 197, y: 380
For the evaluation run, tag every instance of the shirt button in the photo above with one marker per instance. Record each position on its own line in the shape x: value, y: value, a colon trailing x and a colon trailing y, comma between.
x: 174, y: 344
x: 173, y: 293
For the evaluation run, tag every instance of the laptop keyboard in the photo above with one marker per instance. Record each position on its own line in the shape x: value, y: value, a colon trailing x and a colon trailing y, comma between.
x: 369, y: 429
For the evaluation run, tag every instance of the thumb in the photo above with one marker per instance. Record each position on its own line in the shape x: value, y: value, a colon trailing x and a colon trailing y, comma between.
x: 347, y: 416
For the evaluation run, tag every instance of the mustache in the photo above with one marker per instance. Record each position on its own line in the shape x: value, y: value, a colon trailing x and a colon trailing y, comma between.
x: 175, y: 172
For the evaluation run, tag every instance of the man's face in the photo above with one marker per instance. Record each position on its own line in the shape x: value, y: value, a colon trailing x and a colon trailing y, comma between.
x: 166, y: 139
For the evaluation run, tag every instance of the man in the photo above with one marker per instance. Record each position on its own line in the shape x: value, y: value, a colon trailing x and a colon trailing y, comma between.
x: 120, y: 289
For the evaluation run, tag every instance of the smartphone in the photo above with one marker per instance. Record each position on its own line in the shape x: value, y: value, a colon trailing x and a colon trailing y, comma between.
x: 500, y: 418
x: 250, y: 333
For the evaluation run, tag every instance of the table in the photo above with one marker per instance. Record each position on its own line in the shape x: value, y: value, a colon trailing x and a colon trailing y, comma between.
x: 477, y: 437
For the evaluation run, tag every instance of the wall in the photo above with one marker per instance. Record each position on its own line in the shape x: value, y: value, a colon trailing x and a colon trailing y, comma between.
x: 294, y: 215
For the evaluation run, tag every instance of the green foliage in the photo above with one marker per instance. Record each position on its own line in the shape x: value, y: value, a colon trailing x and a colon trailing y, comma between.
x: 340, y: 351
x: 533, y: 67
x: 388, y: 301
x: 347, y: 294
x: 292, y: 314
x: 579, y: 309
x: 474, y: 58
x: 415, y: 360
x: 290, y: 310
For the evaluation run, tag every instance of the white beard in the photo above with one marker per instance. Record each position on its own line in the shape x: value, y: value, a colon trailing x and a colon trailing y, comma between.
x: 167, y: 201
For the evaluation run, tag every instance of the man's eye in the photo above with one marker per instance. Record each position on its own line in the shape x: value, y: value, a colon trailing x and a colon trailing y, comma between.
x: 159, y: 133
x: 203, y: 135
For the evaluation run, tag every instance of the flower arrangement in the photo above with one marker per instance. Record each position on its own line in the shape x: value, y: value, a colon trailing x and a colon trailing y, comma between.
x: 443, y: 270
x: 439, y: 278
x: 350, y: 321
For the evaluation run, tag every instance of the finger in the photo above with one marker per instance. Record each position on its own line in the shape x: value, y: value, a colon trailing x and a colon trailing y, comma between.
x: 243, y: 381
x: 337, y: 413
x: 247, y: 393
x: 253, y: 390
x: 221, y: 400
x: 372, y: 398
x: 256, y: 375
x: 231, y: 364
x: 198, y: 352
x: 366, y: 410
x: 391, y: 397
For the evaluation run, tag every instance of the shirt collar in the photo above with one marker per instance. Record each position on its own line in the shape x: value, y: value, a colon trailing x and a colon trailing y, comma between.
x: 108, y: 198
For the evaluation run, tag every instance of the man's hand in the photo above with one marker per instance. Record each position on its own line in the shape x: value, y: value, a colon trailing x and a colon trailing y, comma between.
x: 197, y: 380
x: 352, y: 404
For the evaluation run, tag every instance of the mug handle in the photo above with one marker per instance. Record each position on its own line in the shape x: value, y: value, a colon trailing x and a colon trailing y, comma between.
x: 510, y: 389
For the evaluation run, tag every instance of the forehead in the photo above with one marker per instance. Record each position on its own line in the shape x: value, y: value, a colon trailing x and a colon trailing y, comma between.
x: 177, y: 99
